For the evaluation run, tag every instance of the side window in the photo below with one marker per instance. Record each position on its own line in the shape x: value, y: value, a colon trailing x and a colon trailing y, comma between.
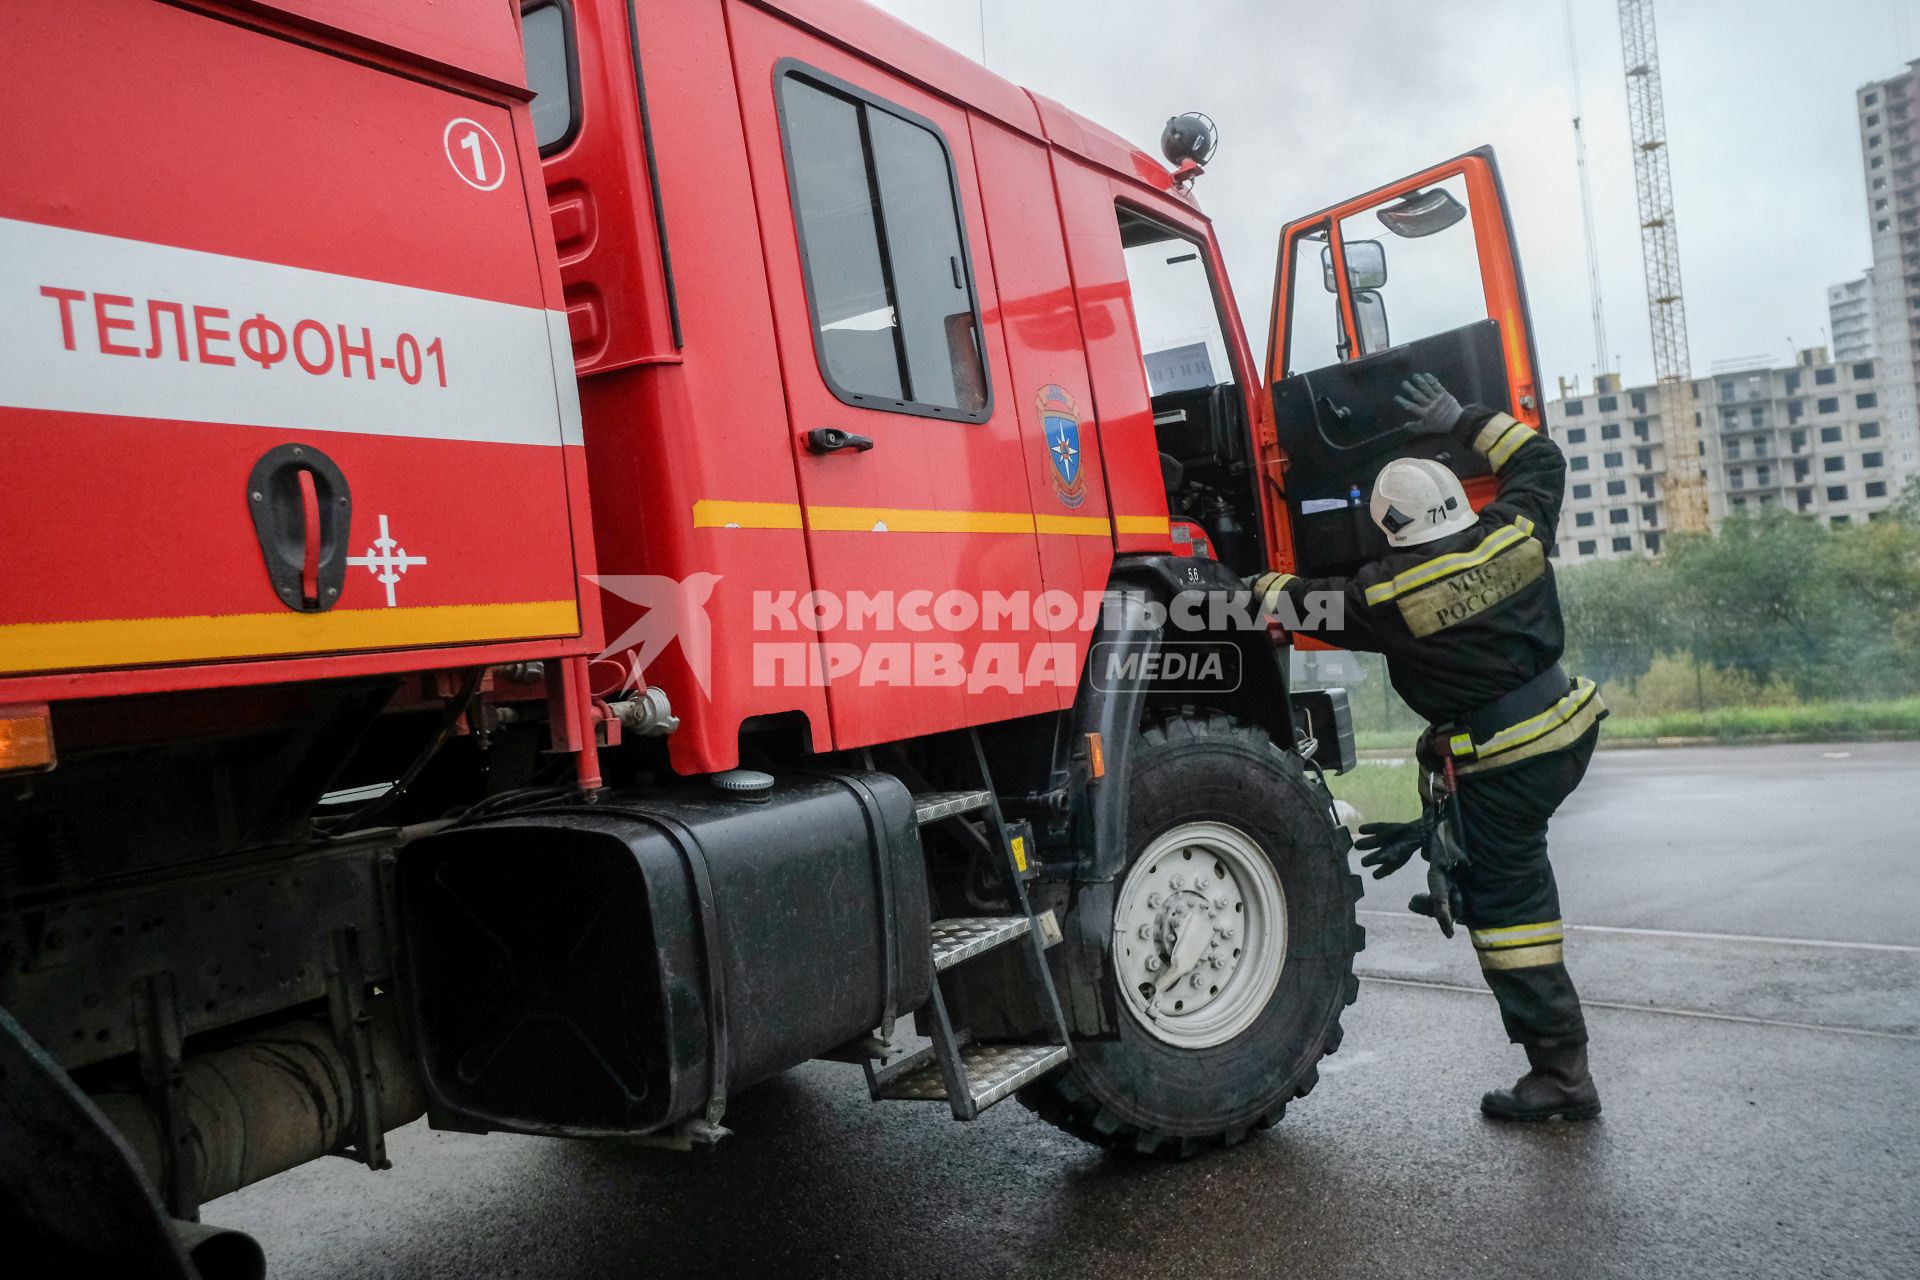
x: 1314, y: 328
x: 889, y: 285
x: 547, y: 30
x: 1174, y: 310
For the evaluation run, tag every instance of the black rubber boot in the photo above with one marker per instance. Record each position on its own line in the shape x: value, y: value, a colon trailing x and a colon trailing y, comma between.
x: 1558, y: 1087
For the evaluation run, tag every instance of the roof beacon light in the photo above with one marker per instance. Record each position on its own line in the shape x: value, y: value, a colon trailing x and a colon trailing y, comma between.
x: 1188, y: 142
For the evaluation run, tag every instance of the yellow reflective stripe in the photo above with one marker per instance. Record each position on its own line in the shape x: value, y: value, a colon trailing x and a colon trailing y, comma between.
x: 1524, y: 525
x: 1523, y: 957
x: 710, y: 513
x: 1270, y: 586
x: 1078, y: 525
x: 1529, y: 729
x: 1553, y: 738
x: 1141, y: 524
x: 916, y: 520
x: 1518, y: 935
x: 120, y: 642
x: 1420, y: 575
x: 1489, y: 435
x: 1461, y: 744
x: 1508, y: 445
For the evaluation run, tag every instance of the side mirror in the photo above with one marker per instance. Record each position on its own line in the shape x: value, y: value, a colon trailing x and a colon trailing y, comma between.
x: 1371, y: 312
x: 1366, y: 266
x: 1422, y: 214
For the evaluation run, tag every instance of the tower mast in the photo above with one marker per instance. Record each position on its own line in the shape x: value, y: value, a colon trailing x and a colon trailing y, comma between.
x: 1686, y: 489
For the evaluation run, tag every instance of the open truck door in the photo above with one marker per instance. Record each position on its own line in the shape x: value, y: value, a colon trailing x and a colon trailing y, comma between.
x: 1419, y: 276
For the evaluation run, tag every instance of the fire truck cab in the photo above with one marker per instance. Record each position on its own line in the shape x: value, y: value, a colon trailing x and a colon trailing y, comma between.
x: 574, y: 556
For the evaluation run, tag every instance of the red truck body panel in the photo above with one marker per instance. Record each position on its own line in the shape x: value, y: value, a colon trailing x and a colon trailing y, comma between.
x: 301, y: 248
x: 201, y: 267
x: 693, y: 339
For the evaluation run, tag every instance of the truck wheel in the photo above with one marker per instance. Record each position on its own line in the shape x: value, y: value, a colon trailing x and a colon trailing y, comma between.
x: 1233, y: 939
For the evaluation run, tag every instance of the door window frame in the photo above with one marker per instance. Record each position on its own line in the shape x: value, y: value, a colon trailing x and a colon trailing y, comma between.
x: 1203, y: 248
x: 795, y: 69
x: 1502, y: 284
x: 571, y: 56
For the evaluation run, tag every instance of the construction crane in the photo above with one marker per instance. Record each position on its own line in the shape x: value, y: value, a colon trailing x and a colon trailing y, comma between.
x: 1686, y: 488
x: 1601, y: 362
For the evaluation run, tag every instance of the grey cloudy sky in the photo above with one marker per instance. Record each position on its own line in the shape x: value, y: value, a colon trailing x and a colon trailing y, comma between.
x: 1318, y: 101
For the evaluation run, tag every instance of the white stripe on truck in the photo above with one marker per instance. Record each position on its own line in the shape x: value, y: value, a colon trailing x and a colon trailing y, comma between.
x: 99, y: 324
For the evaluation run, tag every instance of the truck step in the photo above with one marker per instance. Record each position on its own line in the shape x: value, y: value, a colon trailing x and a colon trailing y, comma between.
x: 937, y: 805
x: 964, y: 937
x: 992, y: 1072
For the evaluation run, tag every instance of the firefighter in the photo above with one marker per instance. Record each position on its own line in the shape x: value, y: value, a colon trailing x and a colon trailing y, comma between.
x: 1464, y: 609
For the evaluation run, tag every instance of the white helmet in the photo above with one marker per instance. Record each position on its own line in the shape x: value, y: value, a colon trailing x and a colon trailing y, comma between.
x: 1416, y: 500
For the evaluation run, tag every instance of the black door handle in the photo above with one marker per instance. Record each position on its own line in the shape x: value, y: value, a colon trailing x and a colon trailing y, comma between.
x: 1338, y: 412
x: 833, y: 439
x: 302, y: 511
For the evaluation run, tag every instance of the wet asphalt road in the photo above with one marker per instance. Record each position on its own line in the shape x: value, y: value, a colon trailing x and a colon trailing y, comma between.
x: 1763, y: 1103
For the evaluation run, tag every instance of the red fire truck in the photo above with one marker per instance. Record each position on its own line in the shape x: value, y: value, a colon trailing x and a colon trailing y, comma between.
x: 561, y: 559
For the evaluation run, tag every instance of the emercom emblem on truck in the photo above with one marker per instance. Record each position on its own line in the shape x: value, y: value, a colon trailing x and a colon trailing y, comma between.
x: 1062, y: 422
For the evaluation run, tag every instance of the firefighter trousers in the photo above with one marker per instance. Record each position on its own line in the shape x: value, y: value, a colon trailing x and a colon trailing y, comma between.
x: 1512, y: 904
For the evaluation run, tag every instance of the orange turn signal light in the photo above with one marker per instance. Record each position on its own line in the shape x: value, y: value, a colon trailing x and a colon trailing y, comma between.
x: 1096, y: 757
x: 26, y: 739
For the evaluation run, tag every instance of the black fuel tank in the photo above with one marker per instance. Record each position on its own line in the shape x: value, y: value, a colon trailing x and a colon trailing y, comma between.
x: 606, y: 969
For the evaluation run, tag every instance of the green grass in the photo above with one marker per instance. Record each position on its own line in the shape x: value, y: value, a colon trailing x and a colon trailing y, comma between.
x: 1817, y: 721
x: 1836, y: 721
x: 1385, y: 739
x: 1381, y: 791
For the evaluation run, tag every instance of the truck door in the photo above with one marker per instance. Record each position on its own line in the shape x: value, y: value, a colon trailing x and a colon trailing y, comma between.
x: 1419, y: 276
x: 907, y: 438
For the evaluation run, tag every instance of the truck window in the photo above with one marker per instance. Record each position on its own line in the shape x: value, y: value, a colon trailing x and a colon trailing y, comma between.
x: 1313, y: 333
x: 1173, y: 309
x: 546, y: 31
x: 889, y: 285
x: 1199, y: 412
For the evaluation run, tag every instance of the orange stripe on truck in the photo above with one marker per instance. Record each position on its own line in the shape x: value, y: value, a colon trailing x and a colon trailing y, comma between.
x: 128, y: 642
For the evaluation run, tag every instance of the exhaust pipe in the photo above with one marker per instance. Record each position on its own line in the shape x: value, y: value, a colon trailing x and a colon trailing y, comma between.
x: 270, y: 1102
x: 220, y: 1254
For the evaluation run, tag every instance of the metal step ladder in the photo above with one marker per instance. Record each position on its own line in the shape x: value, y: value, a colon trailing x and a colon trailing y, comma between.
x: 969, y: 1076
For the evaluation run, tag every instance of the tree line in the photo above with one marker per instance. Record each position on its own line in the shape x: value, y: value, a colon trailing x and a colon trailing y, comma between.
x: 1787, y: 602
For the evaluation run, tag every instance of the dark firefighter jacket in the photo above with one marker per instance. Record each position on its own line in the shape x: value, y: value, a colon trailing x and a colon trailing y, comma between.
x: 1472, y: 618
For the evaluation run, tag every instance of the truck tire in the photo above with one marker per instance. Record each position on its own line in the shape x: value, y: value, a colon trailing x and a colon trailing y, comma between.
x: 1225, y: 833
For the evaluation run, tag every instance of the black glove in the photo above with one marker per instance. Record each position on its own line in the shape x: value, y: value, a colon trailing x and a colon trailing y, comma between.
x: 1435, y: 411
x: 1388, y: 845
x: 1446, y: 853
x: 1441, y: 900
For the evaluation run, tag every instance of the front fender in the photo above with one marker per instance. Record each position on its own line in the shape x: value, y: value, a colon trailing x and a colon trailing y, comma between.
x: 1114, y: 710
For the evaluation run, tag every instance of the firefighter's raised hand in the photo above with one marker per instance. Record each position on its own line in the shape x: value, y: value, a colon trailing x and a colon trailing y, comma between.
x: 1386, y: 846
x: 1435, y: 411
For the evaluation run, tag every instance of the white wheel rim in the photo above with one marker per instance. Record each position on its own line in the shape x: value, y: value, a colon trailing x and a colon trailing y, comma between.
x: 1201, y: 880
